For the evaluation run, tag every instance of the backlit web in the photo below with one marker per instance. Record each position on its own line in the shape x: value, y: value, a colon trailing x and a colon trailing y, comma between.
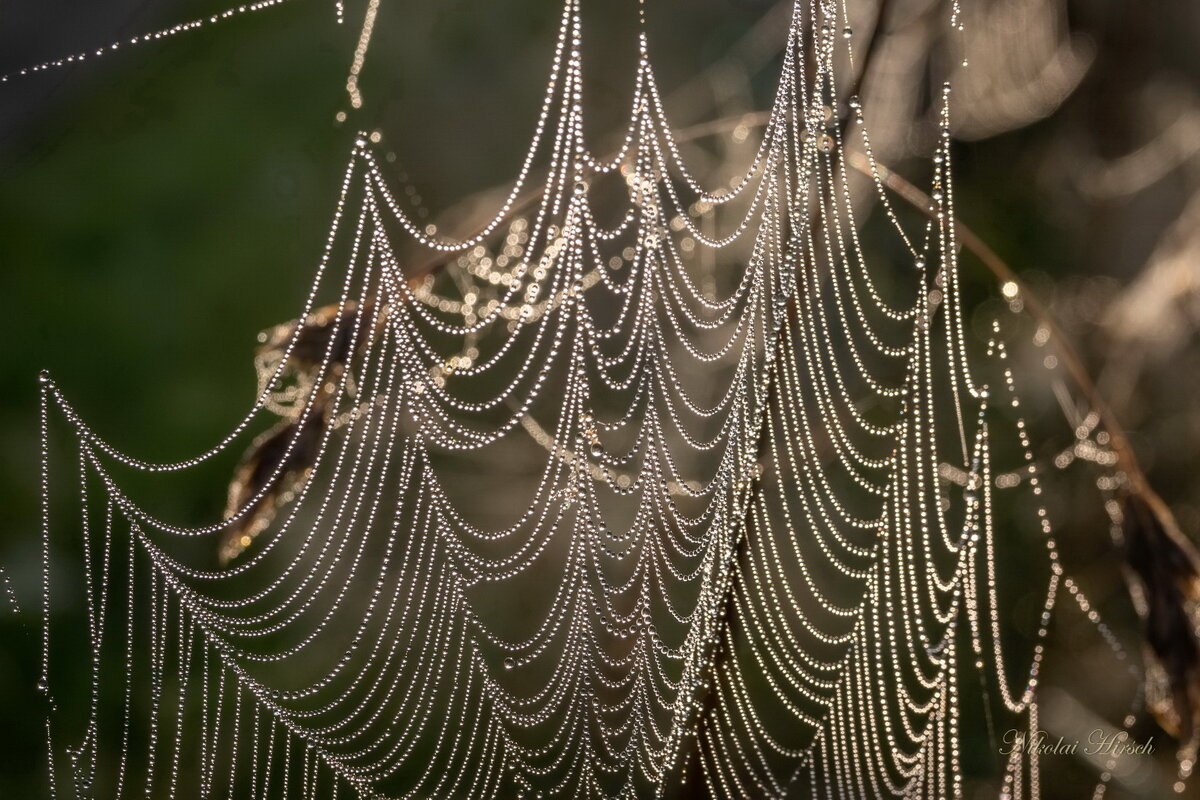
x: 756, y: 555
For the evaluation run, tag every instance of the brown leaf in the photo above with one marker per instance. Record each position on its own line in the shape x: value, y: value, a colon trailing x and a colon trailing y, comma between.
x: 1167, y: 573
x: 269, y: 465
x: 279, y: 461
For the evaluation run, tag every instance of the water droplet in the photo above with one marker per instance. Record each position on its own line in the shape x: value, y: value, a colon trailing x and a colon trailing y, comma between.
x: 44, y: 376
x: 847, y: 32
x: 509, y: 663
x: 826, y: 143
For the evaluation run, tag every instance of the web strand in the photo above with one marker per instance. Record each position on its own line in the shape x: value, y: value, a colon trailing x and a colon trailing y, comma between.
x: 736, y: 497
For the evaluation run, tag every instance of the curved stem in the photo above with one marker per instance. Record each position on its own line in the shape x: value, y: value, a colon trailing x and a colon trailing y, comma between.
x: 1119, y: 440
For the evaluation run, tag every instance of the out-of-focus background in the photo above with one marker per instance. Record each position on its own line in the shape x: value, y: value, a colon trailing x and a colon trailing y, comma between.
x: 160, y: 206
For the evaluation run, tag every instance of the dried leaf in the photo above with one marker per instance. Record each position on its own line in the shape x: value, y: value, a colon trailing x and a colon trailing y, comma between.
x: 1167, y: 573
x: 278, y: 462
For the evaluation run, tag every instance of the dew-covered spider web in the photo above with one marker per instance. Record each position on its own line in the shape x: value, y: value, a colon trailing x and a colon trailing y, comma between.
x: 756, y: 557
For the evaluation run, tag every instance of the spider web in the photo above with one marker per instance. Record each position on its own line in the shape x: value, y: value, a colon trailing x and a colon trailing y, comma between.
x: 764, y: 479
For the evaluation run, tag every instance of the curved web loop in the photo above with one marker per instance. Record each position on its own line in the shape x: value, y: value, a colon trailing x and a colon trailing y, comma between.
x: 733, y: 506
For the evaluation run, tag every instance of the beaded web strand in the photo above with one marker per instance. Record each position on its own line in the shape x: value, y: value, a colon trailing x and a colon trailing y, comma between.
x: 757, y: 556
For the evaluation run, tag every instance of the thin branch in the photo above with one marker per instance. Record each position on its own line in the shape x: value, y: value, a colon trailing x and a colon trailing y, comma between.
x: 1119, y: 440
